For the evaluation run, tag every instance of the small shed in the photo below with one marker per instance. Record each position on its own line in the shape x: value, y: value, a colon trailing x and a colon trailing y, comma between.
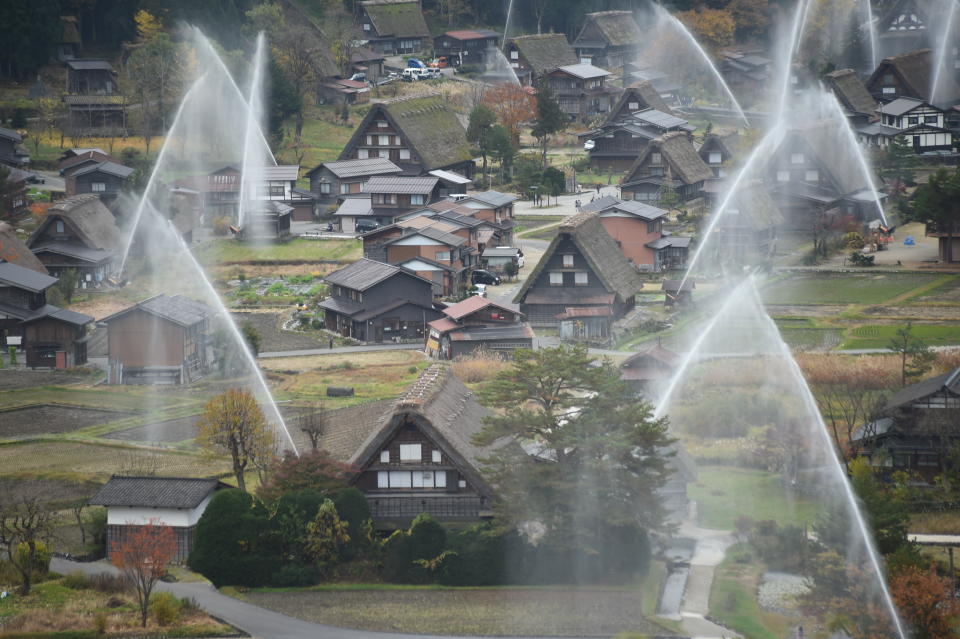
x: 678, y: 292
x: 497, y: 258
x: 134, y: 502
x: 585, y: 322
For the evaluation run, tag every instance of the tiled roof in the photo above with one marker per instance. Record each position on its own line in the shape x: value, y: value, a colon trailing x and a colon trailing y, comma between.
x: 110, y: 168
x: 354, y: 168
x: 25, y: 278
x: 155, y: 492
x: 493, y: 198
x: 584, y: 71
x: 402, y: 185
x: 89, y: 65
x: 362, y: 274
x: 177, y: 309
x: 474, y: 304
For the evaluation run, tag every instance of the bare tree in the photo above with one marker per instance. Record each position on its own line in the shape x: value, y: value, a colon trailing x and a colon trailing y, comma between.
x: 26, y: 522
x: 298, y: 53
x: 313, y: 424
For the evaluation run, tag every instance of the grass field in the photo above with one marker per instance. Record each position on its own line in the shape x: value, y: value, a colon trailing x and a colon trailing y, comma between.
x: 733, y: 602
x: 530, y: 223
x: 879, y: 336
x: 322, y: 140
x: 478, y: 611
x: 845, y: 288
x: 945, y: 292
x: 725, y: 493
x: 228, y: 250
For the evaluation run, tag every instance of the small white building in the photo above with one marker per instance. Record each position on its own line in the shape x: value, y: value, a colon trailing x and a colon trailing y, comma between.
x: 921, y: 125
x: 178, y: 502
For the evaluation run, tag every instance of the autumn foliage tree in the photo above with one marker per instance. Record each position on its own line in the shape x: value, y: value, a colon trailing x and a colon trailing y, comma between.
x: 315, y: 470
x: 926, y: 601
x: 712, y: 27
x: 327, y: 535
x: 512, y: 105
x: 232, y: 423
x: 142, y: 556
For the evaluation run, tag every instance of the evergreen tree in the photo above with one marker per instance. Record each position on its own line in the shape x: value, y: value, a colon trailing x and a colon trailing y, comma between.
x: 916, y: 358
x: 501, y: 147
x: 482, y: 120
x: 550, y: 120
x: 938, y: 203
x: 897, y: 168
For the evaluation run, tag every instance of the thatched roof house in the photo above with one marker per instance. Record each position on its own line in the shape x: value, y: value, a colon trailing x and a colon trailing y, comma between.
x: 910, y: 75
x: 582, y: 268
x: 668, y: 160
x: 637, y: 97
x: 537, y: 55
x: 424, y: 134
x: 13, y: 250
x: 393, y: 26
x: 852, y: 94
x: 608, y: 38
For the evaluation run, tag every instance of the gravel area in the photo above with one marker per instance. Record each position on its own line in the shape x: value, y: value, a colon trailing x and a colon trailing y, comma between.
x: 593, y: 612
x: 779, y: 591
x: 47, y: 418
x: 273, y: 338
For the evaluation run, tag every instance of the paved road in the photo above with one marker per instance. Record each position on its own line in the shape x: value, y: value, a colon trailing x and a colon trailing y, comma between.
x: 256, y: 621
x: 363, y: 348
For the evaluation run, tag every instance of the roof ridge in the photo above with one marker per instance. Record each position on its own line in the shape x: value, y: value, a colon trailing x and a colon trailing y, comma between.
x: 424, y: 387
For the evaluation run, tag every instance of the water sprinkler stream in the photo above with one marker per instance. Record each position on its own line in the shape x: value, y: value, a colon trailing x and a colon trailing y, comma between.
x: 251, y: 130
x: 941, y: 60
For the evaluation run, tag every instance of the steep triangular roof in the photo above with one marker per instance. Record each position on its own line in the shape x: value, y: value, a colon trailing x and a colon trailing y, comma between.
x: 851, y: 91
x: 644, y: 95
x: 903, y: 7
x: 429, y: 125
x: 755, y: 207
x: 824, y: 139
x: 13, y: 250
x: 615, y: 28
x: 678, y: 152
x: 90, y: 220
x: 600, y: 250
x: 398, y: 18
x: 915, y: 69
x: 545, y: 52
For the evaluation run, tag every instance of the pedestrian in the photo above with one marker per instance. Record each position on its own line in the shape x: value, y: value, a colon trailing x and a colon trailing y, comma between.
x: 331, y: 343
x: 598, y: 188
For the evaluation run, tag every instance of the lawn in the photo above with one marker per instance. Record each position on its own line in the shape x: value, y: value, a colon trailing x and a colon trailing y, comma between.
x: 843, y: 288
x: 724, y: 493
x: 733, y: 603
x: 595, y: 611
x: 879, y: 336
x: 946, y: 292
x: 528, y: 223
x: 322, y: 140
x: 234, y: 252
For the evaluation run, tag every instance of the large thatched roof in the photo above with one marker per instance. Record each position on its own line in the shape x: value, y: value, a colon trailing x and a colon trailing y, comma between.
x: 13, y: 250
x: 615, y: 28
x: 851, y: 91
x: 398, y: 18
x: 599, y: 249
x: 89, y: 218
x: 545, y: 52
x: 677, y: 153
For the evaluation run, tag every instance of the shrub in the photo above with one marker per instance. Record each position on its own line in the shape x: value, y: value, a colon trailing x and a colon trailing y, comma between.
x: 859, y: 259
x: 352, y: 506
x: 221, y: 225
x: 100, y: 623
x: 292, y: 575
x: 412, y: 370
x: 852, y: 240
x: 480, y: 558
x: 165, y: 608
x: 107, y: 582
x: 316, y: 324
x: 76, y: 581
x: 428, y: 537
x: 480, y: 366
x: 41, y: 557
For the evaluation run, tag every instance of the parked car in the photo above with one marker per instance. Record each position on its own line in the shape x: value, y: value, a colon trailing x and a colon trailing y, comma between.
x: 481, y: 276
x: 479, y: 289
x: 359, y: 77
x: 411, y: 74
x: 365, y: 226
x: 439, y: 63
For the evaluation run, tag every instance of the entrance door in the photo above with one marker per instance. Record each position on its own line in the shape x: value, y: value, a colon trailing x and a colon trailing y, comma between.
x: 378, y: 333
x: 916, y: 143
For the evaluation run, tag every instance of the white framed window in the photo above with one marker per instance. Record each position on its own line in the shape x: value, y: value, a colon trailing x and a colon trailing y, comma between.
x: 369, y: 140
x: 442, y: 256
x: 384, y: 456
x: 409, y: 452
x: 568, y: 261
x: 344, y: 188
x: 633, y: 106
x: 366, y: 26
x: 404, y: 154
x: 59, y: 226
x: 383, y: 479
x: 400, y: 479
x: 715, y: 157
x: 98, y: 187
x: 435, y: 456
x: 783, y: 176
x: 381, y: 124
x: 796, y: 158
x: 580, y: 278
x: 384, y: 140
x: 556, y: 278
x: 384, y: 153
x: 889, y: 90
x: 514, y: 55
x: 362, y: 154
x: 440, y: 479
x: 462, y: 483
x: 656, y: 158
x: 418, y: 199
x: 812, y: 176
x: 325, y: 188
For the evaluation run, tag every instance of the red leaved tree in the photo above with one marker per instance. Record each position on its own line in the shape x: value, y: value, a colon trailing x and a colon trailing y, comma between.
x: 142, y: 556
x: 513, y: 106
x: 315, y: 470
x: 926, y: 602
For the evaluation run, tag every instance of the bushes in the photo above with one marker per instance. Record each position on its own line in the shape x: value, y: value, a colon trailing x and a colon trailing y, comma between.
x: 480, y: 366
x: 426, y: 539
x: 221, y: 225
x: 165, y: 608
x: 293, y: 575
x: 41, y: 557
x: 351, y: 505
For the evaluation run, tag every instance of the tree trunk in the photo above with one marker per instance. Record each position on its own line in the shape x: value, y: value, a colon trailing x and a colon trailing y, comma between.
x: 299, y: 129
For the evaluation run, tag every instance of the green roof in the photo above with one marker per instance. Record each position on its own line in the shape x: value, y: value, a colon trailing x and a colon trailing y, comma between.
x: 399, y: 19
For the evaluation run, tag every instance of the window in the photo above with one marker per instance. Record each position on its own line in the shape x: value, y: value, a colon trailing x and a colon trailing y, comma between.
x: 369, y: 140
x: 462, y: 483
x: 98, y: 187
x: 59, y: 226
x: 325, y: 188
x: 400, y: 479
x: 652, y: 226
x: 366, y: 26
x: 514, y: 55
x: 913, y: 119
x: 384, y: 153
x: 930, y: 119
x: 812, y: 176
x: 783, y: 176
x: 580, y: 278
x: 418, y: 199
x: 384, y: 456
x: 656, y: 158
x: 440, y: 479
x: 633, y: 106
x: 889, y: 90
x: 715, y: 157
x: 344, y: 188
x: 567, y: 261
x: 383, y: 479
x: 362, y: 154
x: 409, y: 452
x: 422, y: 479
x: 796, y: 158
x: 382, y: 124
x: 442, y: 256
x: 384, y: 140
x: 556, y: 278
x: 435, y: 457
x: 404, y: 154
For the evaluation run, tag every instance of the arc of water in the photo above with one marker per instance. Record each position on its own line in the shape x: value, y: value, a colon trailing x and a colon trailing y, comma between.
x: 238, y: 337
x: 663, y: 13
x: 251, y: 130
x: 799, y: 19
x: 838, y: 114
x: 872, y: 32
x: 837, y: 465
x: 148, y: 190
x: 942, y: 52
